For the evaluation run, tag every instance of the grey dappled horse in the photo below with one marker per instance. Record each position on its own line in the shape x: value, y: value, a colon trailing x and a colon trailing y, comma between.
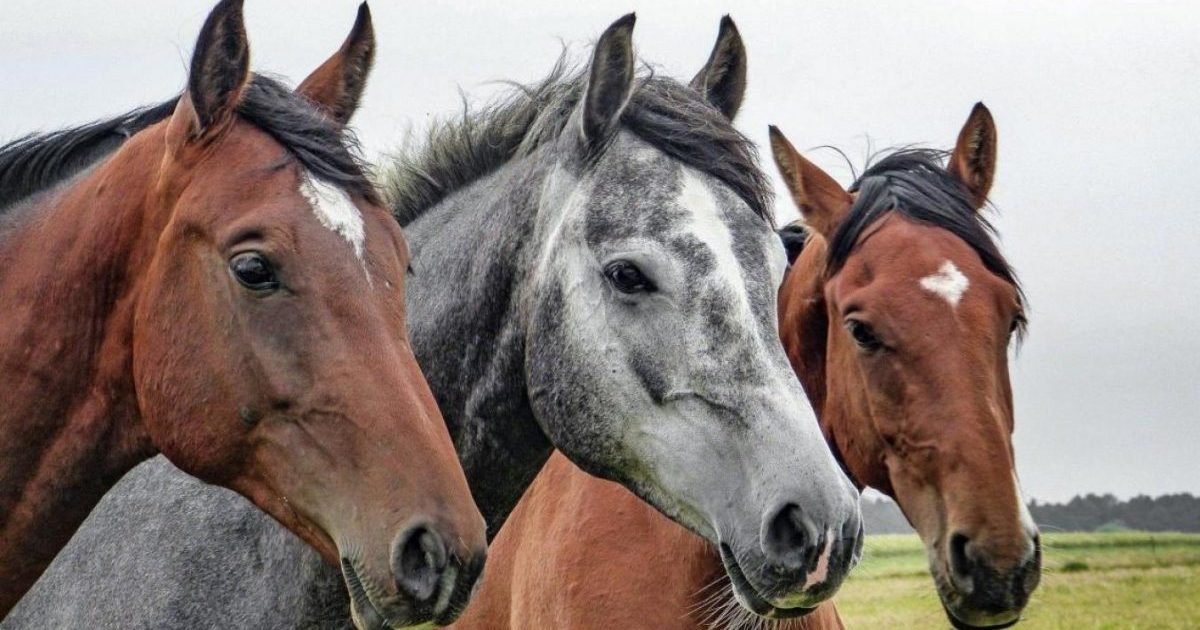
x: 594, y: 270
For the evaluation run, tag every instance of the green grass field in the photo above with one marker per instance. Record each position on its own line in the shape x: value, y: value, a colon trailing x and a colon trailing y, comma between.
x: 1119, y: 580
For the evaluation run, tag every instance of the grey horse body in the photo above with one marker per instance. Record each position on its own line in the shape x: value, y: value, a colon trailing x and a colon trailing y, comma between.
x: 164, y: 550
x: 681, y: 391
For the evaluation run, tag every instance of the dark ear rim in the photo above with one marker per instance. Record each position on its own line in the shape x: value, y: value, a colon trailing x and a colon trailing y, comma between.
x: 822, y: 202
x: 220, y: 66
x: 610, y: 81
x: 722, y: 80
x: 973, y: 161
x: 338, y: 84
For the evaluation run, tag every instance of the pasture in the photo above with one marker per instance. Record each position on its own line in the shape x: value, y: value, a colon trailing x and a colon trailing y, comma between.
x: 1112, y: 580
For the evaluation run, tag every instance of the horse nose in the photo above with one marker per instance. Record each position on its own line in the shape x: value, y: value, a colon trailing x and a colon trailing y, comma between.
x: 803, y: 550
x: 436, y: 579
x: 982, y: 586
x: 790, y: 540
x: 419, y: 559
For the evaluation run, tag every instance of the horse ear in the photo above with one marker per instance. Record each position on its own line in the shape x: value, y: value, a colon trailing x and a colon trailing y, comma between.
x: 821, y: 200
x: 974, y: 159
x: 219, y: 72
x: 610, y: 81
x: 338, y: 84
x: 722, y: 80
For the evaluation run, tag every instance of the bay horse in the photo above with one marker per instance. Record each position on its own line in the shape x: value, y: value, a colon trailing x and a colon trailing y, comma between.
x: 897, y: 315
x: 595, y: 270
x: 226, y: 288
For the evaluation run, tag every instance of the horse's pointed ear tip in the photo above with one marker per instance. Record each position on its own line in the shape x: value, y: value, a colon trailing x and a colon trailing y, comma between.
x: 227, y: 16
x: 727, y: 24
x: 363, y: 24
x: 625, y: 21
x: 979, y: 109
x: 230, y: 5
x: 776, y: 136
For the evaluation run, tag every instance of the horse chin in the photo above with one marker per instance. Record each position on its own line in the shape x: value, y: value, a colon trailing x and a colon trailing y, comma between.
x: 366, y: 612
x: 962, y: 625
x: 388, y: 613
x: 949, y: 599
x: 363, y: 612
x: 749, y: 597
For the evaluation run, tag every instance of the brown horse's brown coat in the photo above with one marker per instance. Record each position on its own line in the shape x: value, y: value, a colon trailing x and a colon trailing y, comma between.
x: 583, y: 553
x: 601, y: 559
x: 124, y: 333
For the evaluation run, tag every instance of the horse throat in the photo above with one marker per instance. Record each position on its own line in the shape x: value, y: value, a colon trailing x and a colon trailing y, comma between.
x: 471, y: 339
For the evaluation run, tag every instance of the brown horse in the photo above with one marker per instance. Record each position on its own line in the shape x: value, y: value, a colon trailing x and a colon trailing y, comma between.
x: 897, y: 315
x: 226, y: 289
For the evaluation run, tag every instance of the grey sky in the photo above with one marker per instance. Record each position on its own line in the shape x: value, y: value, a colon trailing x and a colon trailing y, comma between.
x: 1098, y: 106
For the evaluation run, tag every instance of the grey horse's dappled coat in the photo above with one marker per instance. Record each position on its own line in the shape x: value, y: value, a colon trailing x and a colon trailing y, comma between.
x: 594, y: 269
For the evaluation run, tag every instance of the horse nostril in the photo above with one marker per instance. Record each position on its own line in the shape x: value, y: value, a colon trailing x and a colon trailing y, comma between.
x: 961, y: 567
x: 418, y: 560
x: 789, y: 541
x: 1029, y: 574
x: 854, y: 530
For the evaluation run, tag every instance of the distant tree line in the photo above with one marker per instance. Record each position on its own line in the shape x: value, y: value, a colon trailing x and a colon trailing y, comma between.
x: 1086, y: 513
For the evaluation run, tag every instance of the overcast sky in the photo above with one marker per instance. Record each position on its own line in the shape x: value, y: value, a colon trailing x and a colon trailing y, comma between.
x: 1098, y: 186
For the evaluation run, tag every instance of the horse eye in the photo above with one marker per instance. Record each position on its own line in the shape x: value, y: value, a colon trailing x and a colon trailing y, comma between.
x: 254, y: 271
x: 627, y: 278
x: 863, y: 335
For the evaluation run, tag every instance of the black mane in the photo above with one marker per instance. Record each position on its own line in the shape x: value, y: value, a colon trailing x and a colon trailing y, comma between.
x: 40, y: 160
x: 916, y: 184
x: 794, y: 236
x: 37, y: 162
x: 671, y: 116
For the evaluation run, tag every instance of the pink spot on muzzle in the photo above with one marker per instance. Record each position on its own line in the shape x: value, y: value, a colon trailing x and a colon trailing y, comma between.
x: 821, y: 571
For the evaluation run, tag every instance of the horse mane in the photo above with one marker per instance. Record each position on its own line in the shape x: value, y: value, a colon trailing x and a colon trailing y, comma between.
x: 794, y: 236
x: 38, y: 161
x: 915, y: 183
x: 671, y: 116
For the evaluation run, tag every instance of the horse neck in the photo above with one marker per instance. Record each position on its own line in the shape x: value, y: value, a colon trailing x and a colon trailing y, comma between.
x: 69, y: 427
x: 470, y: 340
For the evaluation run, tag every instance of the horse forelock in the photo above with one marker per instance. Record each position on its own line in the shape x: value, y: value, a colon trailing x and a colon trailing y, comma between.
x: 914, y: 183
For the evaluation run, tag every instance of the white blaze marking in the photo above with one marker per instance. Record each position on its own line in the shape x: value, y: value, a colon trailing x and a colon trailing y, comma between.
x: 948, y: 282
x: 336, y: 211
x: 710, y: 228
